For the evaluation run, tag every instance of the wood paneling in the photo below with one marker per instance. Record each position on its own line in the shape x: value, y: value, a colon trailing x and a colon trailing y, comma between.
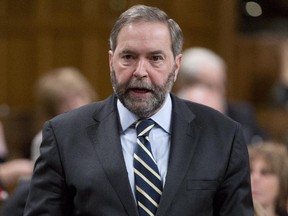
x: 3, y: 69
x: 257, y: 66
x: 274, y: 121
x: 39, y: 35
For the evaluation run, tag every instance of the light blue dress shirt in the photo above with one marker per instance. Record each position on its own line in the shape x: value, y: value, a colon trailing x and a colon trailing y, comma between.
x: 159, y: 138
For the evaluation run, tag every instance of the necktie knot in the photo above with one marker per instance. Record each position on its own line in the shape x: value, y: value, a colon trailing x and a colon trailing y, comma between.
x: 143, y: 127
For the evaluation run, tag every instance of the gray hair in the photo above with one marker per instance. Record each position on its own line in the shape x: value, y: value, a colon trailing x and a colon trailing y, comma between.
x: 145, y: 13
x: 193, y: 60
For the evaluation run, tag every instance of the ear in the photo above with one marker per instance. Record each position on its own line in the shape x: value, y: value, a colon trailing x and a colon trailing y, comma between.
x: 178, y: 61
x: 110, y: 60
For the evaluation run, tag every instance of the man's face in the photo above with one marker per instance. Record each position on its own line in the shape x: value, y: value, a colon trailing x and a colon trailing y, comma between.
x: 142, y: 67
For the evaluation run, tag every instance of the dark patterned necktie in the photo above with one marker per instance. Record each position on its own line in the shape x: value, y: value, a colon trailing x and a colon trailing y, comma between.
x: 148, y: 185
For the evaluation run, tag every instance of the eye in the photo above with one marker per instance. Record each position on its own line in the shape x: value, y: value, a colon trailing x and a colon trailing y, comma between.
x: 266, y: 172
x: 127, y: 57
x: 157, y: 58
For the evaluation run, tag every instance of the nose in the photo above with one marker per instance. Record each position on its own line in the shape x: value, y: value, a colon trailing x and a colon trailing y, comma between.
x: 141, y: 69
x: 255, y: 177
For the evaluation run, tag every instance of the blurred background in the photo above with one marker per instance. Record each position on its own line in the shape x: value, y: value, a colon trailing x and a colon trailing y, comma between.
x: 39, y: 35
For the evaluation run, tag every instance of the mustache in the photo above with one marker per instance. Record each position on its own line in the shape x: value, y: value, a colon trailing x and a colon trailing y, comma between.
x: 140, y: 84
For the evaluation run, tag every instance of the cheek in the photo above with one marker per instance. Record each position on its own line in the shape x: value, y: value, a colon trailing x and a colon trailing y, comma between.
x: 271, y: 188
x: 122, y: 75
x: 159, y: 78
x: 270, y: 193
x: 275, y: 187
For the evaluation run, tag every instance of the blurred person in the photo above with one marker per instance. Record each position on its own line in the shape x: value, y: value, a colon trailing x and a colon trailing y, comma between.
x: 206, y: 69
x: 3, y: 145
x: 269, y: 176
x: 11, y: 170
x: 279, y: 91
x: 98, y: 160
x: 203, y: 94
x: 279, y: 94
x: 201, y: 65
x: 58, y: 91
x: 14, y: 204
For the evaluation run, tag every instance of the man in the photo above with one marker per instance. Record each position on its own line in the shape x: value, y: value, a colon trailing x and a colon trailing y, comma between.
x: 90, y: 157
x: 203, y: 78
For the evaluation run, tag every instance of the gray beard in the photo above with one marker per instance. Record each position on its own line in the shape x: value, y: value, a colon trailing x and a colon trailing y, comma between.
x: 143, y: 108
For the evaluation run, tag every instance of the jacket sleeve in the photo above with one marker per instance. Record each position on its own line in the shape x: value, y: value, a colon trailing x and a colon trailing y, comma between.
x: 234, y: 195
x: 48, y: 192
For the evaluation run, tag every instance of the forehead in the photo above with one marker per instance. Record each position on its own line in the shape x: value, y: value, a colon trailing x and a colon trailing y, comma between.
x: 145, y: 35
x: 260, y: 161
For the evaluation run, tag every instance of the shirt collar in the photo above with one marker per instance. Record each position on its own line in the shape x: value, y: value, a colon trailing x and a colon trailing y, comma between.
x: 162, y: 117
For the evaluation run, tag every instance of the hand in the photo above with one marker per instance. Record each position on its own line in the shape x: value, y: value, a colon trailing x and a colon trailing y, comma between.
x: 12, y: 171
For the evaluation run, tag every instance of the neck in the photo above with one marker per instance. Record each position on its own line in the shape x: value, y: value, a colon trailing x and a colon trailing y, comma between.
x: 270, y: 210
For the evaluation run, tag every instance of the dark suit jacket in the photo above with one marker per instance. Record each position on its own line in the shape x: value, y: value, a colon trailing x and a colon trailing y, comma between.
x: 81, y: 170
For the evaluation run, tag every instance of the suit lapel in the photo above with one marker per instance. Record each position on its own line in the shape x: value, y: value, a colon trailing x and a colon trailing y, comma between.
x: 106, y: 141
x: 183, y: 142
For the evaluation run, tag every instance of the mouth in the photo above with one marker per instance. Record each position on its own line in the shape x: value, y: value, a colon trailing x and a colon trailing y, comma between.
x: 139, y: 91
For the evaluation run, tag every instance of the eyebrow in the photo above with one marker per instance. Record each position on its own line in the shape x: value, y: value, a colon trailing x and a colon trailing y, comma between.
x: 157, y: 52
x: 131, y: 51
x: 126, y: 51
